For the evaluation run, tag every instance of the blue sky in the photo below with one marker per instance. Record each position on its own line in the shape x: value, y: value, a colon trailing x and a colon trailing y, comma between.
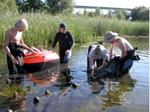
x: 111, y: 3
x: 114, y: 3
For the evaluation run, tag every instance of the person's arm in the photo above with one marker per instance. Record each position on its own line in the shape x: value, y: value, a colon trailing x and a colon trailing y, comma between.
x: 71, y: 41
x: 105, y: 57
x: 91, y: 63
x: 7, y: 50
x: 24, y: 45
x: 111, y: 51
x: 55, y: 41
x: 124, y: 50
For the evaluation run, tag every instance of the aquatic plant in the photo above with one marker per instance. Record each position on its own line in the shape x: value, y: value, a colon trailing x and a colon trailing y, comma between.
x: 42, y: 27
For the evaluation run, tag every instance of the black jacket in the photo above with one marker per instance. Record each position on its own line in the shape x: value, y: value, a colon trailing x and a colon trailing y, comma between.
x: 65, y: 41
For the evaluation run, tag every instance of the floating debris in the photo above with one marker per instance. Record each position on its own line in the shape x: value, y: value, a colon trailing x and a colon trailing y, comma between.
x: 8, y: 81
x: 74, y: 85
x: 15, y: 95
x: 36, y: 100
x: 47, y: 92
x: 9, y: 110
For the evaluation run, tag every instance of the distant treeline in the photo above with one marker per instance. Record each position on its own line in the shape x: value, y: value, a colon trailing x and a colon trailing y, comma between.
x: 43, y: 27
x: 65, y: 7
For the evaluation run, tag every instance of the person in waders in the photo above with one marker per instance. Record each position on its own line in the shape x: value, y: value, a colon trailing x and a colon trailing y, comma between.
x: 127, y: 51
x: 96, y: 53
x: 65, y: 40
x: 14, y: 46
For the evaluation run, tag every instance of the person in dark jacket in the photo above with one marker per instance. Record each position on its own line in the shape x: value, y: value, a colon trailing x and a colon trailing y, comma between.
x: 65, y: 40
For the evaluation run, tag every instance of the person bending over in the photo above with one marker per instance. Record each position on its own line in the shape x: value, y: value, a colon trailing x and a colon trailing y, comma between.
x: 98, y: 54
x: 127, y: 51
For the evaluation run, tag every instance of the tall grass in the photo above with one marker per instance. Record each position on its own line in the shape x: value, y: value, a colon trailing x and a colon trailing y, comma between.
x: 42, y: 27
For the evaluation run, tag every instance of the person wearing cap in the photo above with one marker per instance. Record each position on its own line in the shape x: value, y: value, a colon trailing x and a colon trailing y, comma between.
x: 126, y: 48
x: 97, y: 53
x: 65, y: 40
x: 13, y: 46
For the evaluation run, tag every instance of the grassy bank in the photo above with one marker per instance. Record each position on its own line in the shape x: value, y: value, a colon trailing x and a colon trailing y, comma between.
x: 42, y: 27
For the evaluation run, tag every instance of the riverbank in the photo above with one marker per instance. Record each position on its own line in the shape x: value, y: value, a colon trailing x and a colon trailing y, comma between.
x: 42, y: 27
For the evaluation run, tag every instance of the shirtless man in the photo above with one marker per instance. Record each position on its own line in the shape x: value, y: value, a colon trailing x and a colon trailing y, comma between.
x: 126, y: 48
x: 13, y: 44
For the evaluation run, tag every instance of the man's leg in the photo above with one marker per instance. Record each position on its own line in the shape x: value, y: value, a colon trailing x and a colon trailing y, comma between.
x: 11, y: 66
x: 62, y: 55
x: 88, y: 61
x: 121, y: 64
x: 20, y: 66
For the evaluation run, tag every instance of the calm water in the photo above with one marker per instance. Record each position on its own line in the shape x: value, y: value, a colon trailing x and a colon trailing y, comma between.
x: 129, y: 94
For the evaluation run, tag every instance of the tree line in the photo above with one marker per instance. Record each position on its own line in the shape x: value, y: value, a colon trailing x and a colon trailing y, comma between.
x: 66, y: 7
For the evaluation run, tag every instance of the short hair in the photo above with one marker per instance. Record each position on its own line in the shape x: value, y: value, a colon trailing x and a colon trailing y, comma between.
x: 22, y: 23
x: 97, y: 50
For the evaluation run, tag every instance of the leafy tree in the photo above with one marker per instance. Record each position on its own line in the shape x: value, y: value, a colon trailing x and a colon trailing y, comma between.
x: 110, y: 13
x: 85, y: 12
x: 97, y: 12
x: 60, y: 6
x: 8, y: 5
x: 140, y: 13
x: 30, y: 5
x: 120, y: 14
x: 91, y: 14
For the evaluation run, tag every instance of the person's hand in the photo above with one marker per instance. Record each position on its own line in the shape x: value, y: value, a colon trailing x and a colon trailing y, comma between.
x: 14, y: 61
x: 121, y: 58
x: 33, y: 51
x: 67, y: 51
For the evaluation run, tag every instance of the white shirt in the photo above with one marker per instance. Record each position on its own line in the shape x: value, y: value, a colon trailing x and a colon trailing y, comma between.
x: 103, y: 53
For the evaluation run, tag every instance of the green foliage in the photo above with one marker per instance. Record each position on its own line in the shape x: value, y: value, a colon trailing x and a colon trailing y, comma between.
x: 8, y: 6
x: 140, y: 13
x: 60, y: 6
x: 43, y: 27
x: 51, y: 6
x: 85, y: 12
x: 30, y: 5
x: 97, y: 12
x: 120, y: 14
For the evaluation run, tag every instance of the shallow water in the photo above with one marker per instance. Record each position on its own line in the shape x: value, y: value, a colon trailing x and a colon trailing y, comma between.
x: 129, y: 94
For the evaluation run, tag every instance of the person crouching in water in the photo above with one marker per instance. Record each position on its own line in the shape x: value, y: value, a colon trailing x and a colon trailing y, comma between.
x: 65, y: 40
x: 127, y: 51
x: 13, y: 47
x: 96, y: 53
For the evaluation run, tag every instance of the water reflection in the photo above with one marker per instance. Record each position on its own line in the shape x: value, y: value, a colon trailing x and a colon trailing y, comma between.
x: 115, y: 93
x: 93, y: 96
x: 65, y: 76
x: 12, y: 94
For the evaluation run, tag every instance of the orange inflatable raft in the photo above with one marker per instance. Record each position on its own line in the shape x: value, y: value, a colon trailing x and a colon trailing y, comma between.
x: 40, y: 61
